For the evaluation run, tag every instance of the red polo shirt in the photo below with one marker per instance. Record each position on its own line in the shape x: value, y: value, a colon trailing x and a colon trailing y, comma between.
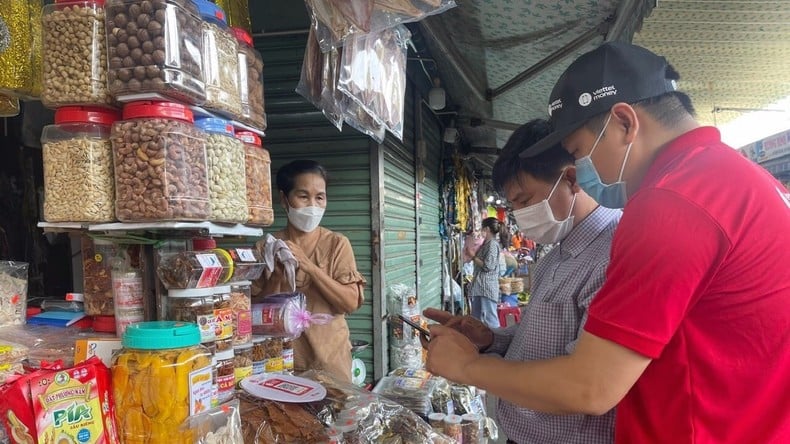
x: 699, y: 281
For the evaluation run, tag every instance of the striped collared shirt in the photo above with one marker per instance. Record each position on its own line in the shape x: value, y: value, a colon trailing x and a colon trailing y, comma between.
x: 565, y: 281
x: 486, y: 278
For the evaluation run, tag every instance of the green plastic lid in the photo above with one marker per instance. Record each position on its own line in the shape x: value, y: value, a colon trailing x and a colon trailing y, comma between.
x: 161, y: 335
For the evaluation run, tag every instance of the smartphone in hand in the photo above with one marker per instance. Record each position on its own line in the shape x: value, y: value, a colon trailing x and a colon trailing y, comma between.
x: 425, y: 333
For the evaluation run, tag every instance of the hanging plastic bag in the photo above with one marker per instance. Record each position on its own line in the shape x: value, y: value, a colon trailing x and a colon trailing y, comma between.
x: 373, y: 75
x: 338, y: 21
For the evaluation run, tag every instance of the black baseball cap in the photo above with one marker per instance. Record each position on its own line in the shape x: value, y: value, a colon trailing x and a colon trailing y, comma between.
x: 611, y: 73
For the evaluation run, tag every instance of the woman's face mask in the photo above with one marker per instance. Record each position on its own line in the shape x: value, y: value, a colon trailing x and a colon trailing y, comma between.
x: 305, y: 219
x: 537, y: 221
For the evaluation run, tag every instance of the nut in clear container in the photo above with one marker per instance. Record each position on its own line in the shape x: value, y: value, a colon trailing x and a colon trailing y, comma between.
x: 226, y: 170
x: 155, y: 46
x: 160, y: 164
x: 258, y: 166
x: 250, y: 81
x: 220, y: 62
x: 75, y: 54
x: 79, y: 184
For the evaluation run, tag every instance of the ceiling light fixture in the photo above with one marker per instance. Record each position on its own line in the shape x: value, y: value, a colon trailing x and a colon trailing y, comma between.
x: 437, y: 98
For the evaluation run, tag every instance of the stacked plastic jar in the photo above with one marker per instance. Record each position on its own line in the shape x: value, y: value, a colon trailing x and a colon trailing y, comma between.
x: 75, y: 54
x: 78, y: 166
x: 9, y: 106
x: 155, y: 47
x: 160, y: 164
x: 160, y: 378
x: 226, y: 171
x: 250, y: 81
x: 20, y: 48
x: 259, y: 179
x: 220, y: 62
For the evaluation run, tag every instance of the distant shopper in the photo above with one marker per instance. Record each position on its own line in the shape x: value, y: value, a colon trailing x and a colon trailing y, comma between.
x: 690, y: 334
x: 484, y: 289
x: 548, y: 206
x: 327, y: 272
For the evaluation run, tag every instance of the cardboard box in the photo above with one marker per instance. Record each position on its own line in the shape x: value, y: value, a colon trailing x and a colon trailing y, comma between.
x: 103, y: 348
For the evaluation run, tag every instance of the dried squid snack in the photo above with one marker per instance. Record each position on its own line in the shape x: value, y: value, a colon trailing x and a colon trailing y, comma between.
x: 335, y: 20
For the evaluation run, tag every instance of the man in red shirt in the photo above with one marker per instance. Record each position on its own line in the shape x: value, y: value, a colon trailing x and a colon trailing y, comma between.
x: 690, y: 335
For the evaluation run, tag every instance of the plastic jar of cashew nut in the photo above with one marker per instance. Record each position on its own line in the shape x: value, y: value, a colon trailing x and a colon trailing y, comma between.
x: 250, y: 81
x: 75, y: 54
x: 79, y: 183
x: 226, y: 171
x: 220, y: 62
x: 258, y: 168
x: 160, y: 164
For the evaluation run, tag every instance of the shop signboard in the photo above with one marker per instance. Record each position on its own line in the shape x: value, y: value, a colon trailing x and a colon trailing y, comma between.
x: 769, y: 148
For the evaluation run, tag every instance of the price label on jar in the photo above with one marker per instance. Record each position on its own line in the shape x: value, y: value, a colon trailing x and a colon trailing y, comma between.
x: 212, y: 269
x: 200, y: 390
x: 246, y: 254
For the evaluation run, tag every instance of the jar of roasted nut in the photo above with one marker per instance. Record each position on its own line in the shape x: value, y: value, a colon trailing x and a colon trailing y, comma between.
x: 258, y: 355
x: 242, y: 361
x: 78, y: 166
x: 155, y: 46
x: 227, y: 182
x: 250, y: 81
x: 220, y: 62
x: 288, y: 356
x: 259, y: 179
x: 242, y: 311
x: 97, y: 256
x: 273, y: 348
x: 226, y: 376
x: 160, y: 164
x: 75, y: 54
x: 9, y: 106
x: 20, y: 48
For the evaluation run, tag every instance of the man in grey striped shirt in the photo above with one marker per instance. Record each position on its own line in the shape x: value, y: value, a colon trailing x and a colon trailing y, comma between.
x: 549, y: 207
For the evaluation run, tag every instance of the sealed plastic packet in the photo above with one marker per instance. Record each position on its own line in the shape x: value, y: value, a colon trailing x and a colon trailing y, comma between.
x: 373, y: 75
x: 221, y: 425
x: 284, y: 315
x: 13, y: 292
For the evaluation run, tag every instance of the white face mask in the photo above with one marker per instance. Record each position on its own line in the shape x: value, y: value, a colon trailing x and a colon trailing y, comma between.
x: 537, y: 221
x: 306, y: 218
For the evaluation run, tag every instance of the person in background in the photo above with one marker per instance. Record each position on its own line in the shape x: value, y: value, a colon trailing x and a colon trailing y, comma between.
x: 484, y: 289
x: 690, y: 334
x: 327, y: 271
x: 550, y: 207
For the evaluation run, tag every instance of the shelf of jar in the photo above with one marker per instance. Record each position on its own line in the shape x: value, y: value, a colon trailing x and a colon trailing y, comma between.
x: 203, y: 228
x: 196, y: 110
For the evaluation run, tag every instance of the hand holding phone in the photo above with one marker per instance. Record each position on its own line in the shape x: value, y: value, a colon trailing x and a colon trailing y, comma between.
x: 423, y: 332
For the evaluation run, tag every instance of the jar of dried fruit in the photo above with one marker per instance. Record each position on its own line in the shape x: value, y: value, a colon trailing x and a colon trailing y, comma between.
x: 160, y: 377
x: 79, y: 183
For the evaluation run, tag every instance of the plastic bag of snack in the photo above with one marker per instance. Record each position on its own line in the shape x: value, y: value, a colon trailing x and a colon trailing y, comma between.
x: 337, y: 21
x: 318, y: 80
x: 373, y: 75
x: 270, y: 422
x: 284, y: 315
x: 13, y: 292
x: 221, y: 425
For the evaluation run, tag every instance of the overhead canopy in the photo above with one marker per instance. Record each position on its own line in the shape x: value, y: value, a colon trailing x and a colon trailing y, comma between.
x: 732, y: 56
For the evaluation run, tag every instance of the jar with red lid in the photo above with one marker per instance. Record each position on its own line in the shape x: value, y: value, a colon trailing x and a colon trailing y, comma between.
x: 220, y: 62
x: 155, y: 47
x: 78, y: 166
x: 209, y: 245
x: 250, y: 81
x: 226, y: 175
x: 74, y: 54
x: 258, y: 166
x: 160, y: 164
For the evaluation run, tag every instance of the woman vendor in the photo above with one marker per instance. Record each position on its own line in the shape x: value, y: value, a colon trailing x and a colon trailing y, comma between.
x: 327, y: 271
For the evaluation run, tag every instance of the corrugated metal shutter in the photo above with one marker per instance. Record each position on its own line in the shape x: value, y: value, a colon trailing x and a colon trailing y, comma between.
x: 430, y: 242
x: 297, y: 130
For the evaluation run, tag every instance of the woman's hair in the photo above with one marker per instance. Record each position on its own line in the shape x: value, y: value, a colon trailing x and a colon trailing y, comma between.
x: 493, y: 224
x: 286, y: 175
